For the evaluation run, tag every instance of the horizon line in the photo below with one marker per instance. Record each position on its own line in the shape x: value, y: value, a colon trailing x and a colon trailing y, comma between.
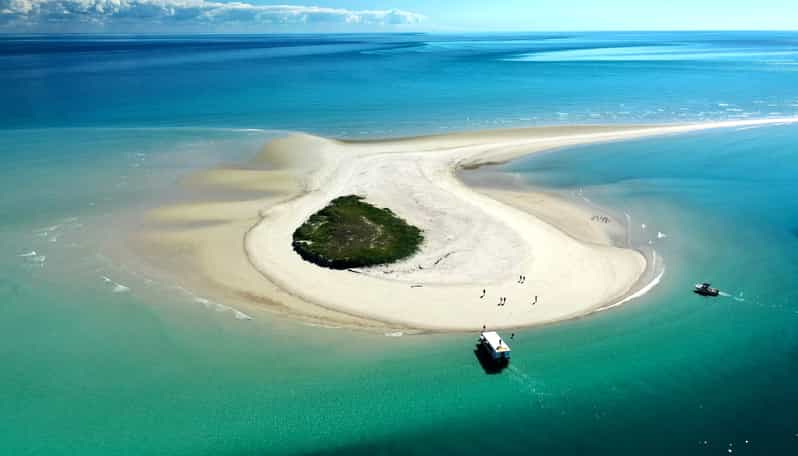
x: 430, y: 32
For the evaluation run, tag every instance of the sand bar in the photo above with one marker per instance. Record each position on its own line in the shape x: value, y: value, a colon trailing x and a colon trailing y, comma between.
x: 472, y: 241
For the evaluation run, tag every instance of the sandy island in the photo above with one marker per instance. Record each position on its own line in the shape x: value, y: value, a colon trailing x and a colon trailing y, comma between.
x: 474, y: 240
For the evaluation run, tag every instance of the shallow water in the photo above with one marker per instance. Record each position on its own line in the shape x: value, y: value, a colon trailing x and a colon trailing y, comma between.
x: 136, y: 365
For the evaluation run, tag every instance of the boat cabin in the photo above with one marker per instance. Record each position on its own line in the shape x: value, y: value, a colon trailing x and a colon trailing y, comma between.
x: 705, y: 289
x: 492, y: 343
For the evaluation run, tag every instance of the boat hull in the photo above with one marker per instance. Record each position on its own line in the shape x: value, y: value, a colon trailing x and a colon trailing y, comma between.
x: 710, y: 293
x: 490, y: 364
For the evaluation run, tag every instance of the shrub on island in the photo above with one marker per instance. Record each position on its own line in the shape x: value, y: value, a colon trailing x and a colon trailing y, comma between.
x: 350, y: 233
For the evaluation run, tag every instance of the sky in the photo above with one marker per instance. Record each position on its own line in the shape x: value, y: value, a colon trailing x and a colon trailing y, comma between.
x: 309, y: 16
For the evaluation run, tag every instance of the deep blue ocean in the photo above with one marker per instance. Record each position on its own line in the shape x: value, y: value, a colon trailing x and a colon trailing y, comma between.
x: 96, y: 126
x: 378, y: 85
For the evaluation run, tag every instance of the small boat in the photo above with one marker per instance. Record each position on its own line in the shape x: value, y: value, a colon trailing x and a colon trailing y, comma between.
x: 492, y: 344
x: 704, y: 289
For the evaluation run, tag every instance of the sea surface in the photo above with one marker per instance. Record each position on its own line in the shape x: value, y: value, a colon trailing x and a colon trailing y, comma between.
x: 99, y: 358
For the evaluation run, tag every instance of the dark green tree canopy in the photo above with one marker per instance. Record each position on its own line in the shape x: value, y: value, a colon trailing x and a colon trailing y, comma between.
x: 350, y: 233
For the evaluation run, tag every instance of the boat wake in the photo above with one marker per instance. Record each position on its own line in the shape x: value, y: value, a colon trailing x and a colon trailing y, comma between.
x: 738, y: 298
x: 528, y: 384
x: 766, y: 305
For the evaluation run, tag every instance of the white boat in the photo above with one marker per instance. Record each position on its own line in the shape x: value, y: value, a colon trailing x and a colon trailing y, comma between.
x: 492, y: 344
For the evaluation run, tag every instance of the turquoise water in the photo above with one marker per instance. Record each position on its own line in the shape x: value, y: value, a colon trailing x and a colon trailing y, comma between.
x: 97, y: 126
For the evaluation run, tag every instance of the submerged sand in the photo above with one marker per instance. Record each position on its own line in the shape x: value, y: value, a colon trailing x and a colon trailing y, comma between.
x: 474, y: 240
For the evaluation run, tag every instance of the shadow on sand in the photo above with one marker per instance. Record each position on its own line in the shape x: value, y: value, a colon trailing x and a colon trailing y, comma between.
x: 489, y: 365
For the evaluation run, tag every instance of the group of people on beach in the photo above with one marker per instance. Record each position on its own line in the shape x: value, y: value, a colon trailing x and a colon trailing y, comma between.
x: 600, y: 218
x: 503, y: 299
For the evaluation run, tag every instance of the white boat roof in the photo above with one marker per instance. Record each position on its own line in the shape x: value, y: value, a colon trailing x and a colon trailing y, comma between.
x: 495, y: 341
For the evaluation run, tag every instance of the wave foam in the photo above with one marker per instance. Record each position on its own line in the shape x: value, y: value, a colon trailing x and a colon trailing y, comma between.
x: 218, y: 307
x: 649, y: 286
x: 47, y: 229
x: 116, y: 287
x: 241, y: 315
x: 33, y: 259
x: 321, y: 325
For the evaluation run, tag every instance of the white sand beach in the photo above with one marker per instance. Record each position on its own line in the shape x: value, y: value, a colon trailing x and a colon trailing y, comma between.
x: 474, y: 241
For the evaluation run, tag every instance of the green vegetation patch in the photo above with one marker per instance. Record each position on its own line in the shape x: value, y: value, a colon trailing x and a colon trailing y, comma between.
x: 350, y: 233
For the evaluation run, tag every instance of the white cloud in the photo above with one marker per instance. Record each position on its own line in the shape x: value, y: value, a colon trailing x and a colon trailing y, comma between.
x: 189, y: 12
